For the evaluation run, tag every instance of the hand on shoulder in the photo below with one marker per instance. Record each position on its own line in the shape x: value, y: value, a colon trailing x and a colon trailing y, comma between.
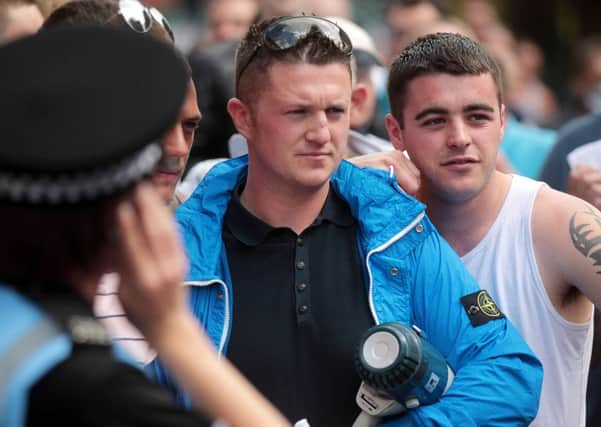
x: 407, y: 175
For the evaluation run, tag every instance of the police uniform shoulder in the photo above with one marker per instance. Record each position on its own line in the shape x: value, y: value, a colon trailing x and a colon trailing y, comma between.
x: 87, y: 331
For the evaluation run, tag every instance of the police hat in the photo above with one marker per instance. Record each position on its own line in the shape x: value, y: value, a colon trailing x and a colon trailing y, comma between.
x: 81, y: 111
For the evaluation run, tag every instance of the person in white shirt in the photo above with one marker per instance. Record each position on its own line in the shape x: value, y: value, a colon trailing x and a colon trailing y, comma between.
x: 537, y: 250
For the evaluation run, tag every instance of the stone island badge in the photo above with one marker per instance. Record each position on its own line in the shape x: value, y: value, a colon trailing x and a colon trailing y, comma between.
x: 480, y: 308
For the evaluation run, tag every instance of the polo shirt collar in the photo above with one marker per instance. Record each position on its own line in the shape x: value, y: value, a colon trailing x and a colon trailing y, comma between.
x: 251, y: 230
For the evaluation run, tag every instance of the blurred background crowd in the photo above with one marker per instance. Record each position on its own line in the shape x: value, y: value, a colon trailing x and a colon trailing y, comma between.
x: 550, y: 53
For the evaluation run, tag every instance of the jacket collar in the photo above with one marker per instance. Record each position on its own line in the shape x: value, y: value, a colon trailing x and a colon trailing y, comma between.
x: 251, y: 230
x: 384, y: 210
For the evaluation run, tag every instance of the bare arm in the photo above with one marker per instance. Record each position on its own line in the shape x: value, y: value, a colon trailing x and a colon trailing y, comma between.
x: 152, y: 268
x: 567, y: 236
x: 585, y: 234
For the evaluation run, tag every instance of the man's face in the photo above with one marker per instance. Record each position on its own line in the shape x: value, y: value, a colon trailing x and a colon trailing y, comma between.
x: 231, y: 19
x: 176, y: 145
x: 403, y: 21
x: 452, y: 129
x: 299, y: 125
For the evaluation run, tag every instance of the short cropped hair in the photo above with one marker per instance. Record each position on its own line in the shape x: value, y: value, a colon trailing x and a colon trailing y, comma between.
x: 438, y: 53
x: 82, y: 12
x: 314, y: 49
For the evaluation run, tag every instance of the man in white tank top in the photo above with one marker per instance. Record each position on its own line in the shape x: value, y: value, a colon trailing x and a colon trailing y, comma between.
x: 537, y: 251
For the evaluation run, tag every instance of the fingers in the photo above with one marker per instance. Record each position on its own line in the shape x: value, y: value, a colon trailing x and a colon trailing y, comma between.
x: 160, y: 232
x: 151, y: 263
x: 132, y: 256
x: 589, y: 173
x: 407, y: 174
x: 585, y: 182
x: 149, y: 242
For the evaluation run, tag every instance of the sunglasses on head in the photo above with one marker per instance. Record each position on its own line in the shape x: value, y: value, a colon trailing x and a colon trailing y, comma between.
x: 140, y: 18
x: 286, y: 33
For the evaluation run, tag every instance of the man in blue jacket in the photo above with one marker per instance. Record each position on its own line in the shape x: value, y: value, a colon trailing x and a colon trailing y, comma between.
x: 295, y: 253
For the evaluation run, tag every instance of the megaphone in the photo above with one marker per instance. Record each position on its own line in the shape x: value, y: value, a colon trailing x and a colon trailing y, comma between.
x: 399, y: 371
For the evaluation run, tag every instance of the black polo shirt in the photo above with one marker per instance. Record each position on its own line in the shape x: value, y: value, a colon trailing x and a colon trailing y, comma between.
x: 300, y: 308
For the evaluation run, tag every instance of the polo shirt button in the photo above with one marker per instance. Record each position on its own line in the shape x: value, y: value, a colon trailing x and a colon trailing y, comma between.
x: 299, y: 241
x: 419, y: 228
x: 219, y: 295
x: 394, y: 271
x: 300, y: 265
x: 301, y: 287
x: 303, y: 309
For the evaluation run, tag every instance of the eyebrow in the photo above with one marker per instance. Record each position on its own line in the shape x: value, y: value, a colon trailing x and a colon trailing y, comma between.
x: 428, y: 111
x: 479, y: 107
x: 439, y: 110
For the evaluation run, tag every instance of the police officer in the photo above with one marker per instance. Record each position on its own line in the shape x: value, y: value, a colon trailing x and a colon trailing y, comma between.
x: 79, y: 136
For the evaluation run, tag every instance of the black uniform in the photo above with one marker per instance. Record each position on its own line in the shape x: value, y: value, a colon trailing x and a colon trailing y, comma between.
x: 94, y: 387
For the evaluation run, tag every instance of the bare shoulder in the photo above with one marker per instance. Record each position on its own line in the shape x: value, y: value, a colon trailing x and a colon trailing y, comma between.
x: 553, y: 207
x: 567, y: 237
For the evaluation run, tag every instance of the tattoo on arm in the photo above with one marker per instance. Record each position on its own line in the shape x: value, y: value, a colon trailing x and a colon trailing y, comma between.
x: 585, y: 231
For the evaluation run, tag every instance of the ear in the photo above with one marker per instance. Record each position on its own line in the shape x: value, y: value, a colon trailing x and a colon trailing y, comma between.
x: 358, y: 98
x: 241, y: 116
x: 395, y: 133
x: 503, y: 121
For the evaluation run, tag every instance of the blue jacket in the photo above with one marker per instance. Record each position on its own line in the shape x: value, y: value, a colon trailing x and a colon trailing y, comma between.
x: 413, y: 276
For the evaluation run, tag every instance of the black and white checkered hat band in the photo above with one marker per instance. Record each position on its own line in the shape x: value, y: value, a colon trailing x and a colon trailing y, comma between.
x: 74, y: 188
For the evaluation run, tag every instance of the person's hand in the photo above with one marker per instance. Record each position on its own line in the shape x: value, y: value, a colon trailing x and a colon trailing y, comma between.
x: 152, y: 266
x: 407, y: 174
x: 585, y: 182
x: 151, y: 262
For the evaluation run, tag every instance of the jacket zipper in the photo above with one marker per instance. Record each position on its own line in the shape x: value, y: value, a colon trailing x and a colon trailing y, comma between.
x: 226, y: 325
x: 380, y: 248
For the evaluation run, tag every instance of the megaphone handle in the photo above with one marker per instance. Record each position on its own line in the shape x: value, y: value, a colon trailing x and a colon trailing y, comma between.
x: 366, y: 420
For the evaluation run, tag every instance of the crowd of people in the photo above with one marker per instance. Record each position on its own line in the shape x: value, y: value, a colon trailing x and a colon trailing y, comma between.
x: 200, y: 231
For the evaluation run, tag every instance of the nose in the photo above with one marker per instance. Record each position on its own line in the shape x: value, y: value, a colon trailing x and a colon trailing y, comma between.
x: 459, y: 136
x: 174, y: 142
x: 319, y: 131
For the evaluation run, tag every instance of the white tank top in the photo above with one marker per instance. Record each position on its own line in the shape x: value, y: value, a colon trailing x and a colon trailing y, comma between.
x: 563, y: 347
